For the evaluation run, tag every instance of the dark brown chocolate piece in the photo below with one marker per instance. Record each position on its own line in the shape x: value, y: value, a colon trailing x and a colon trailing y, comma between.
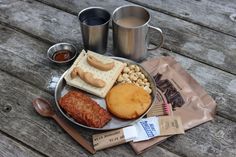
x: 172, y: 95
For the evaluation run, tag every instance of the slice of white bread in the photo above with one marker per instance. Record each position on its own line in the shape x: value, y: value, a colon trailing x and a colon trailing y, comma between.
x: 108, y: 76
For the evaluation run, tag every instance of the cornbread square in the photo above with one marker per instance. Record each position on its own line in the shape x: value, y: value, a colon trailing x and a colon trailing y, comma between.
x: 84, y: 110
x: 108, y: 76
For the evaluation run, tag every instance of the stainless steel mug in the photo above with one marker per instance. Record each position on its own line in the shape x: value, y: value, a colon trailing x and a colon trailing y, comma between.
x: 132, y: 41
x: 94, y: 22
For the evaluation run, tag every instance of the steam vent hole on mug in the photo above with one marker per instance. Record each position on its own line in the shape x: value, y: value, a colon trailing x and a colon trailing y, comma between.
x: 94, y: 16
x: 131, y: 16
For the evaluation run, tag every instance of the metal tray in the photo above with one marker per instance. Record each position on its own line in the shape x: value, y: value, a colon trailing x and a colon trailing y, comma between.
x: 62, y: 88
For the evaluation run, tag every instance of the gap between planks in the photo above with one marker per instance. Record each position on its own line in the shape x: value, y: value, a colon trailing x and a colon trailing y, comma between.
x: 26, y: 33
x: 22, y: 143
x: 42, y: 89
x: 168, y: 149
x: 146, y: 6
x: 164, y: 47
x: 52, y: 94
x: 178, y: 16
x: 16, y: 29
x: 198, y: 60
x: 154, y: 9
x: 25, y: 81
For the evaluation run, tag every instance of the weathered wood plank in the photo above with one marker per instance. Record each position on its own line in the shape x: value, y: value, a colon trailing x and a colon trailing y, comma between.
x: 217, y: 15
x: 213, y: 139
x: 183, y: 37
x: 74, y: 7
x: 43, y: 21
x: 32, y: 72
x: 10, y: 148
x: 37, y: 70
x: 116, y: 151
x: 191, y: 65
x: 31, y: 61
x: 218, y: 11
x: 20, y: 120
x: 225, y: 100
x: 230, y: 90
x: 29, y: 48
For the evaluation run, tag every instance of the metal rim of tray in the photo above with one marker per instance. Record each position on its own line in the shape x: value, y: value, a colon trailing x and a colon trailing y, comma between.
x: 153, y: 95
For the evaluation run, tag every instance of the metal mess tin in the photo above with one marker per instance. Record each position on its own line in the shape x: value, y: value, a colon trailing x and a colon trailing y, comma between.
x: 62, y: 88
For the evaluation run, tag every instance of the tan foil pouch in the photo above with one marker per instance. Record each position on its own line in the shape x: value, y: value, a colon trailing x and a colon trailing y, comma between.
x: 188, y: 99
x: 170, y: 125
x: 113, y: 138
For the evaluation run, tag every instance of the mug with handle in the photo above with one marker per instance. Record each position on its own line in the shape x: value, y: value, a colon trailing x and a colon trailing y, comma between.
x: 131, y: 31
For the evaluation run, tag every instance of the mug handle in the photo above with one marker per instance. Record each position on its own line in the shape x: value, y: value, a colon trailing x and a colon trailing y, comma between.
x: 159, y: 31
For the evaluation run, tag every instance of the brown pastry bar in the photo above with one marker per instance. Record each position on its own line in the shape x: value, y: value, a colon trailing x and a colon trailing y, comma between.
x: 84, y: 110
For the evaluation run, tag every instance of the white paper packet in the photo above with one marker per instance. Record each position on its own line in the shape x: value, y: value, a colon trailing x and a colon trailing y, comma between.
x: 147, y: 128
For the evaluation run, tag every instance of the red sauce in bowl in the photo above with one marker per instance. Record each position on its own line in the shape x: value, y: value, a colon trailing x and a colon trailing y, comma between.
x: 62, y: 55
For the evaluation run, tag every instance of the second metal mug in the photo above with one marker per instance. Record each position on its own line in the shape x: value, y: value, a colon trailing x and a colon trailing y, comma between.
x: 132, y: 41
x: 94, y: 22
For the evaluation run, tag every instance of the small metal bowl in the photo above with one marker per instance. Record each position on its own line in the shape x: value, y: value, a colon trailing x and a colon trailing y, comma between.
x: 62, y: 46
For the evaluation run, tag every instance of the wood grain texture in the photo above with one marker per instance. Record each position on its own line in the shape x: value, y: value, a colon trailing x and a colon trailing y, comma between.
x: 24, y: 59
x: 215, y: 14
x: 213, y: 139
x: 41, y: 20
x: 31, y: 72
x: 39, y: 72
x: 182, y: 37
x: 215, y: 81
x: 20, y: 120
x: 186, y: 38
x: 27, y: 47
x: 11, y: 148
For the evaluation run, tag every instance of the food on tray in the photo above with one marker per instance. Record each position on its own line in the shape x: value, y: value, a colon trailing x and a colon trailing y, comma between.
x: 84, y: 110
x: 93, y: 61
x: 87, y: 77
x: 128, y: 101
x: 133, y: 74
x: 75, y: 72
x: 109, y: 77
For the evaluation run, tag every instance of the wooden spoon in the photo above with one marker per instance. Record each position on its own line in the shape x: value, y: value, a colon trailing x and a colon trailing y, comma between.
x: 43, y: 107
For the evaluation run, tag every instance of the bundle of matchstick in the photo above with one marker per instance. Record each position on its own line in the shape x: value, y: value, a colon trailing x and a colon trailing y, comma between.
x: 160, y: 109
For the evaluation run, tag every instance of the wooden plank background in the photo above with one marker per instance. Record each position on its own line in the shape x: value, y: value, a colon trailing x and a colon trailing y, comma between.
x: 214, y: 14
x: 11, y: 148
x: 28, y: 28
